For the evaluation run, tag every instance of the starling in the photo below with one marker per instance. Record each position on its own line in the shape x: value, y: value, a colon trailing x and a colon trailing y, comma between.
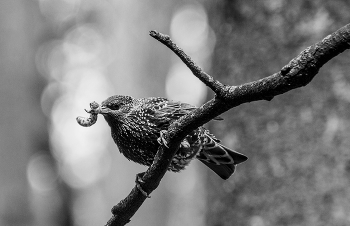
x: 137, y: 125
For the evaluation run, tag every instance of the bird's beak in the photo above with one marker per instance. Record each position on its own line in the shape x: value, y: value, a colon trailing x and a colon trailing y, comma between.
x: 100, y: 110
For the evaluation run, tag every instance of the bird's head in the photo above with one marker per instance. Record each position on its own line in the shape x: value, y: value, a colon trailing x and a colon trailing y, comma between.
x: 115, y: 107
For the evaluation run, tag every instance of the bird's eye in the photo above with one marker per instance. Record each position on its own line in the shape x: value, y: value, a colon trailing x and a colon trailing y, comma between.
x: 114, y: 107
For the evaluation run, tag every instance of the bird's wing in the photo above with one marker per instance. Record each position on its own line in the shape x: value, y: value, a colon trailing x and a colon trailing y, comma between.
x: 160, y: 112
x: 174, y: 110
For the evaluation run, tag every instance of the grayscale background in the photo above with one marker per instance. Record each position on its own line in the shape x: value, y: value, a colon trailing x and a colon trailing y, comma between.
x: 57, y: 56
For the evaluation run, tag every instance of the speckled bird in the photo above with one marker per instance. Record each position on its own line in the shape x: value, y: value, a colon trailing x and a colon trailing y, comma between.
x: 136, y: 125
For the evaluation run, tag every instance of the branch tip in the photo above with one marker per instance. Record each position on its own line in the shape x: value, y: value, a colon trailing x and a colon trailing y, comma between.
x: 153, y: 33
x: 160, y: 37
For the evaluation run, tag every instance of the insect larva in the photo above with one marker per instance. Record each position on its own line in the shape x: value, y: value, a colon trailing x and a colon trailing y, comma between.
x: 86, y: 122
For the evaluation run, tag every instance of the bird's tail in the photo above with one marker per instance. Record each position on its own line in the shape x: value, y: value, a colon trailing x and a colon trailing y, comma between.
x: 220, y: 159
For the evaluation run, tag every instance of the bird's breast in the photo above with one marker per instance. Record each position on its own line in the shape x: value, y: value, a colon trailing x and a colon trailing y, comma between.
x: 137, y: 143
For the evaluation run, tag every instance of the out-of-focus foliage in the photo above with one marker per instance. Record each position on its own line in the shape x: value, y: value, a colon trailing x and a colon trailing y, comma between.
x: 298, y: 144
x: 57, y: 56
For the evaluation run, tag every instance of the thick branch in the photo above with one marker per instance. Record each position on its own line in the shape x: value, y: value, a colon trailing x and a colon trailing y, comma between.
x: 298, y: 72
x: 125, y: 209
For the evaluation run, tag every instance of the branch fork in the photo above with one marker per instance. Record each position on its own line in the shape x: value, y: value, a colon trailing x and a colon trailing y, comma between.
x: 297, y: 73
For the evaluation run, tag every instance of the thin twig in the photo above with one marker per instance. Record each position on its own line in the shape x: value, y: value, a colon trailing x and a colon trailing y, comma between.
x: 208, y: 80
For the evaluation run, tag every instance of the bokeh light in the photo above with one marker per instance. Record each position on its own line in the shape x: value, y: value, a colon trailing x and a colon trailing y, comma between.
x: 189, y: 28
x: 41, y: 173
x: 57, y: 56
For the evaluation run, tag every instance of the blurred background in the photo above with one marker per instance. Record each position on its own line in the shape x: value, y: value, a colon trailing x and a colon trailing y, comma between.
x: 57, y: 56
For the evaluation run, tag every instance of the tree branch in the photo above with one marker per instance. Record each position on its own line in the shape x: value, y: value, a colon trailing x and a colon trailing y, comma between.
x: 297, y: 73
x: 208, y: 80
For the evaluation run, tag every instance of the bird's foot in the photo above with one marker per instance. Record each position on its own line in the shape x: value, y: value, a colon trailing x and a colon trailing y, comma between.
x: 185, y: 144
x: 161, y: 139
x: 139, y: 182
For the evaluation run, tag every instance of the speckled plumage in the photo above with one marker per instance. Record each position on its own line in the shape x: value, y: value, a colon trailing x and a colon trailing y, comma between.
x: 136, y: 125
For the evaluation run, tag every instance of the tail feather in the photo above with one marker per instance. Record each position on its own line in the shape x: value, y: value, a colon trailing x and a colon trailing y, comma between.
x: 220, y: 159
x: 224, y: 171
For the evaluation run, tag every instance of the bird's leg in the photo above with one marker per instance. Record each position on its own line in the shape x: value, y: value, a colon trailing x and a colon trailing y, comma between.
x: 138, y: 182
x: 161, y: 139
